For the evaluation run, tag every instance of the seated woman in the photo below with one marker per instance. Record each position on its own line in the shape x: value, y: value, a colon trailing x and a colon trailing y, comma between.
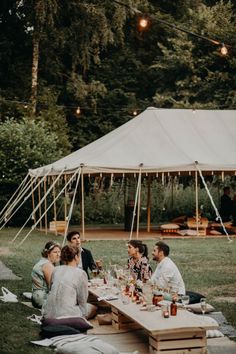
x: 42, y: 272
x: 69, y: 287
x: 138, y: 260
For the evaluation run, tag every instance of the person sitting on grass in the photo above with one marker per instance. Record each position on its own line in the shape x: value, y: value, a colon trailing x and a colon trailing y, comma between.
x: 69, y: 287
x: 42, y: 272
x: 86, y: 260
x: 166, y: 275
x: 138, y: 260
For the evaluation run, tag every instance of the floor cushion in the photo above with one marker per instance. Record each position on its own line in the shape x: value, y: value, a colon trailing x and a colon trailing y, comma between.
x: 79, y: 323
x: 57, y: 330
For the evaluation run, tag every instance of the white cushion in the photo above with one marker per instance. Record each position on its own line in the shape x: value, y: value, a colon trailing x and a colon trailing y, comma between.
x: 214, y: 333
x: 196, y: 308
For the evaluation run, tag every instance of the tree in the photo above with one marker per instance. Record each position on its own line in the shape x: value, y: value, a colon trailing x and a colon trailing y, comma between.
x: 198, y: 76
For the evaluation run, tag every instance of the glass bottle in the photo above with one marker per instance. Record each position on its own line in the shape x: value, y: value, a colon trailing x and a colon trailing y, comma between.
x: 173, y: 308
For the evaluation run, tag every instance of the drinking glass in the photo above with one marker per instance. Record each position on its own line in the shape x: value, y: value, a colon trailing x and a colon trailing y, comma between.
x: 185, y: 301
x: 203, y: 305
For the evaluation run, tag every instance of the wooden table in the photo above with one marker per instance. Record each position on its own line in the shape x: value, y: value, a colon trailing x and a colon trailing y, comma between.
x: 181, y: 334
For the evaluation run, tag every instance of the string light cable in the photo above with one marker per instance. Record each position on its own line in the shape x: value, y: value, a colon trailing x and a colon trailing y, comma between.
x: 144, y: 21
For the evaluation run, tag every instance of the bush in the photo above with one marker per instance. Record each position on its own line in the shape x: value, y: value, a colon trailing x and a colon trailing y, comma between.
x: 23, y: 145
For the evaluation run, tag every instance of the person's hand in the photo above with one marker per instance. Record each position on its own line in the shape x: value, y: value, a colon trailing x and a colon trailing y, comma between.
x: 98, y: 264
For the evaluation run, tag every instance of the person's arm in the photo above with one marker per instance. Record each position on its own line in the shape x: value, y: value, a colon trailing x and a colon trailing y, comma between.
x: 82, y: 293
x: 47, y: 272
x: 91, y: 263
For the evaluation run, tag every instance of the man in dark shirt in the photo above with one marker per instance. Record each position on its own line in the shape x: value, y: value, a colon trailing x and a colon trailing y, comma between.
x: 226, y: 205
x: 86, y: 259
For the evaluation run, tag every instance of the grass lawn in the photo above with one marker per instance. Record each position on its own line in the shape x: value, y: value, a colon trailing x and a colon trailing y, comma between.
x: 208, y: 266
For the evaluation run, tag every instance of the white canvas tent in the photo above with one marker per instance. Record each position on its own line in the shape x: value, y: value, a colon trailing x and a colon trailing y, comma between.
x: 162, y: 140
x: 155, y: 141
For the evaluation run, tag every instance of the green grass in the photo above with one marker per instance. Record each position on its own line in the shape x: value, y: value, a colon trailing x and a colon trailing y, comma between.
x: 207, y: 265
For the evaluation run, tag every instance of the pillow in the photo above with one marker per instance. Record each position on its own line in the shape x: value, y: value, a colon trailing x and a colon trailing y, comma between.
x: 104, y: 319
x: 196, y: 308
x: 79, y: 323
x: 57, y: 330
x: 214, y: 333
x: 90, y: 345
x: 194, y: 298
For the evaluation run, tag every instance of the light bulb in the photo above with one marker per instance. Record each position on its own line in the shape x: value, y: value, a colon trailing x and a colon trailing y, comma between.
x: 223, y: 50
x: 78, y: 111
x: 143, y: 22
x: 135, y: 112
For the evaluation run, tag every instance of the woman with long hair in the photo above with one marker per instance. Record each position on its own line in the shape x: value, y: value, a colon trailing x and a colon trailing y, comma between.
x: 138, y: 263
x: 42, y: 272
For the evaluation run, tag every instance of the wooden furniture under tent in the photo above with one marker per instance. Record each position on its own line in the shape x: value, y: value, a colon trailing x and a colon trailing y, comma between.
x: 159, y: 143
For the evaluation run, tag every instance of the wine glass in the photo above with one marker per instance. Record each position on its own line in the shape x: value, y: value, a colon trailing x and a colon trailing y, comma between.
x: 185, y: 301
x: 203, y: 305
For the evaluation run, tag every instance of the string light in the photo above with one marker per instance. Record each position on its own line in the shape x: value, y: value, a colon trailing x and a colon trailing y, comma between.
x: 78, y: 111
x: 143, y: 23
x: 135, y: 112
x: 223, y: 49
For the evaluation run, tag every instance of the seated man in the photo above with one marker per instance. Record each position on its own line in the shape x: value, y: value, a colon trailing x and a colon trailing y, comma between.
x: 86, y: 259
x: 166, y: 275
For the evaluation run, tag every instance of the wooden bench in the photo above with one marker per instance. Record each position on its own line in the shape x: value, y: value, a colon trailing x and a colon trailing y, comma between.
x: 181, y: 334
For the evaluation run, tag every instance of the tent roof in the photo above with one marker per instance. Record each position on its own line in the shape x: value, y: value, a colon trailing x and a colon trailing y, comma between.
x: 162, y: 140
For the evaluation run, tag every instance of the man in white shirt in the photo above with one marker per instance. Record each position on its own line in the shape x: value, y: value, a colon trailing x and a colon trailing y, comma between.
x: 166, y: 275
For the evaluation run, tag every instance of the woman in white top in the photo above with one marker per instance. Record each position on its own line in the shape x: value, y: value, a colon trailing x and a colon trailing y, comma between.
x: 42, y: 272
x: 69, y: 287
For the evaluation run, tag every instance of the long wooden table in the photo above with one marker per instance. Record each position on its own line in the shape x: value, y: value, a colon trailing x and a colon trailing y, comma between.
x: 181, y: 334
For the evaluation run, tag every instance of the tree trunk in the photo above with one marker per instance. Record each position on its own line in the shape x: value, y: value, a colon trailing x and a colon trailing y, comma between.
x: 34, y: 82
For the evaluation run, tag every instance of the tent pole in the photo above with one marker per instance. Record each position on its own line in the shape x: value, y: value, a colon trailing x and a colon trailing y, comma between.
x: 72, y: 202
x: 65, y: 200
x: 40, y: 208
x: 135, y: 204
x: 36, y: 208
x: 49, y: 207
x: 149, y: 204
x: 54, y: 207
x: 45, y: 206
x: 196, y: 202
x: 139, y: 202
x: 212, y: 202
x: 82, y: 204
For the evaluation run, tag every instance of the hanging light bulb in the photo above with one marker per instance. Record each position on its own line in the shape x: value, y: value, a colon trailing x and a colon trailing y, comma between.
x: 143, y: 22
x: 223, y: 49
x: 78, y: 111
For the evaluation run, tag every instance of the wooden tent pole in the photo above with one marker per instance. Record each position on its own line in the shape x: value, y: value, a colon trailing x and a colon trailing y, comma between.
x: 82, y: 204
x: 139, y: 199
x: 54, y: 207
x: 149, y: 204
x: 65, y: 200
x: 196, y: 195
x: 139, y: 204
x: 45, y: 206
